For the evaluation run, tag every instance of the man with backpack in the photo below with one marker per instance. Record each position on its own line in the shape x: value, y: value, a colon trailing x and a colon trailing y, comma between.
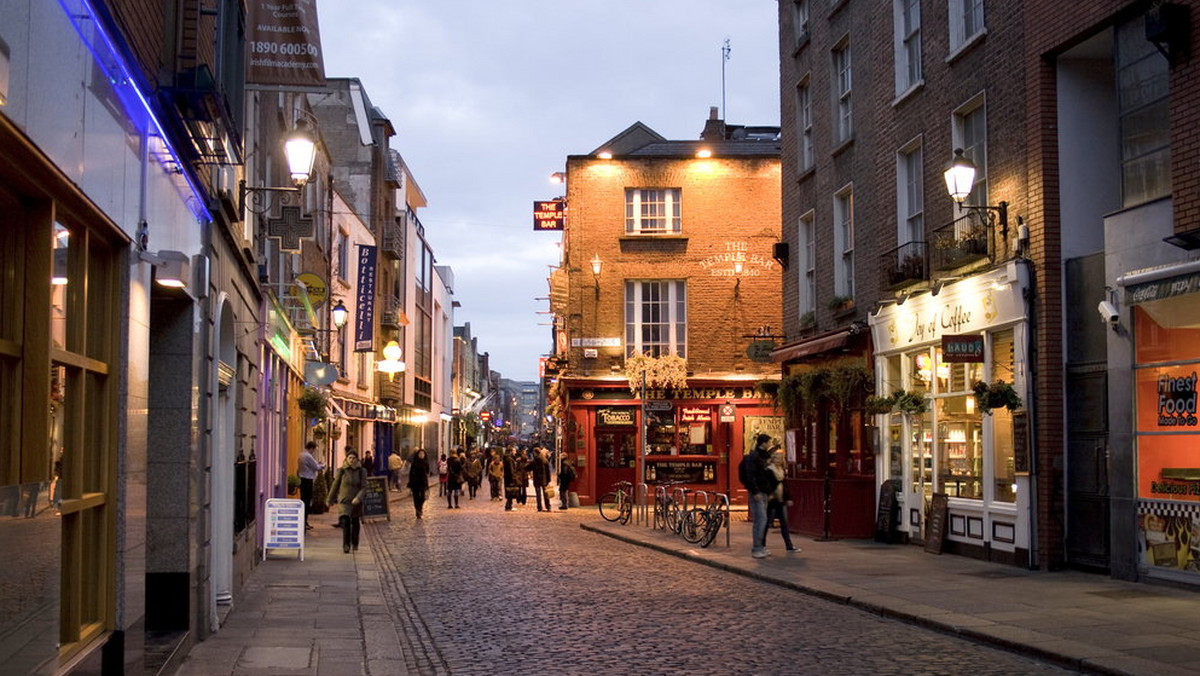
x: 759, y: 482
x: 566, y: 477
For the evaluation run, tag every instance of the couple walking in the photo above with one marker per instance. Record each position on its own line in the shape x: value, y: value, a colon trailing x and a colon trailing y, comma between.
x: 761, y: 473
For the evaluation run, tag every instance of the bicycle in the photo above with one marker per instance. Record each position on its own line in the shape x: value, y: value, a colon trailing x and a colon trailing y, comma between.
x: 617, y: 504
x: 669, y: 502
x: 705, y: 522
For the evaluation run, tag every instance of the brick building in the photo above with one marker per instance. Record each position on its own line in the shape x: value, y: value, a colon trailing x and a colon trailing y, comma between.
x: 887, y: 272
x: 1111, y: 95
x: 1076, y: 123
x: 668, y: 254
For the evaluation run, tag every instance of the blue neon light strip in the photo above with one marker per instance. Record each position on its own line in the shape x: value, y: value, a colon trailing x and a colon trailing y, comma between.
x: 115, y: 67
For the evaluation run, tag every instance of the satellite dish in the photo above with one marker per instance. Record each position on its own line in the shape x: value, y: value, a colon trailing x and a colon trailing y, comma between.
x: 320, y: 373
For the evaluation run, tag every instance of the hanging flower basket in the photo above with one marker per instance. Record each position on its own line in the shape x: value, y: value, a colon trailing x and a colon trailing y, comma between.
x: 313, y: 403
x: 901, y: 401
x: 996, y: 395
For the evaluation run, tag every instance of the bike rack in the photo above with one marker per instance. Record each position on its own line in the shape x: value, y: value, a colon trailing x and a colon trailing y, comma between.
x: 640, y: 494
x: 723, y: 498
x: 660, y: 501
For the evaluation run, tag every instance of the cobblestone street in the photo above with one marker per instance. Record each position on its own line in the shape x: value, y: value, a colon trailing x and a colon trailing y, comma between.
x: 479, y: 590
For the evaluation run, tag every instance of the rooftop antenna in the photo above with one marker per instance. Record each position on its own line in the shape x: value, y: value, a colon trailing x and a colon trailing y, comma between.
x: 725, y: 49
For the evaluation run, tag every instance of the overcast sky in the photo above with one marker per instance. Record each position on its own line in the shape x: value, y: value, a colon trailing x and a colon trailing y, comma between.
x: 489, y: 98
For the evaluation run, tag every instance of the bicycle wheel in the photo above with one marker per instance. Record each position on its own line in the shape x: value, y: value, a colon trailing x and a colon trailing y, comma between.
x: 626, y: 508
x: 671, y: 517
x: 695, y: 524
x: 660, y: 515
x: 610, y: 506
x: 712, y: 526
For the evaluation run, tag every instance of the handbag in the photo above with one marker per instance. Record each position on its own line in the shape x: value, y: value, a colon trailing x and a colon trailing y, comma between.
x: 550, y: 491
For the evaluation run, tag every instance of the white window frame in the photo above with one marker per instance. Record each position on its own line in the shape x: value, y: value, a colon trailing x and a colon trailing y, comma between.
x: 966, y: 23
x: 800, y: 25
x: 843, y: 241
x: 843, y: 108
x: 636, y: 200
x: 968, y: 130
x: 906, y: 15
x: 806, y: 245
x: 669, y: 298
x: 804, y: 126
x: 910, y: 193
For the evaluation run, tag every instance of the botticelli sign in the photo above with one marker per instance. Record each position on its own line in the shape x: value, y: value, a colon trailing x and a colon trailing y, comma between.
x: 957, y: 349
x: 549, y: 215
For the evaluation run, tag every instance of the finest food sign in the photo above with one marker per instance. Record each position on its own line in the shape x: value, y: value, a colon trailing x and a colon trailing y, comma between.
x: 549, y: 215
x: 1177, y: 401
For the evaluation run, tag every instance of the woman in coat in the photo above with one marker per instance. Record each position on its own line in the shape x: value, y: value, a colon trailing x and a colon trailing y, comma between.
x: 539, y: 467
x: 347, y: 493
x: 418, y: 479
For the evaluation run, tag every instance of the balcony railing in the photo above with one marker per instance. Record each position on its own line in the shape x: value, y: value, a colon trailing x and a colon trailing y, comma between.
x: 388, y: 390
x: 903, y: 266
x: 393, y: 240
x: 964, y: 241
x: 390, y: 312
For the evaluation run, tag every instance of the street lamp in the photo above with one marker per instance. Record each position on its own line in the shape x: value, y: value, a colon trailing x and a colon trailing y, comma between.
x: 340, y: 314
x: 960, y: 179
x: 391, y: 364
x: 300, y: 149
x: 596, y: 263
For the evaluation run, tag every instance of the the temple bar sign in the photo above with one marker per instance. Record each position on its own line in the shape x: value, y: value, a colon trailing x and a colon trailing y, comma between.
x: 550, y: 215
x: 962, y: 349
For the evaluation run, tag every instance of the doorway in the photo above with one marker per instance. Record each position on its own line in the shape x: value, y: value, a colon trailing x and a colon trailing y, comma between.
x: 616, y: 457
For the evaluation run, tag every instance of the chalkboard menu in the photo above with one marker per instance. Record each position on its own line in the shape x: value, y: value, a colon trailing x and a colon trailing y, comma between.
x: 935, y: 523
x: 375, y: 500
x: 885, y: 518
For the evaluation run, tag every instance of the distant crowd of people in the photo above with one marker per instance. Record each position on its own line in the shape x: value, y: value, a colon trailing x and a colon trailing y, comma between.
x: 509, y: 470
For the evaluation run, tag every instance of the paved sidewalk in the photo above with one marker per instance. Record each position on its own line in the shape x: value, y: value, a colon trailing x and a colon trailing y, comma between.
x: 323, y: 616
x: 1084, y: 621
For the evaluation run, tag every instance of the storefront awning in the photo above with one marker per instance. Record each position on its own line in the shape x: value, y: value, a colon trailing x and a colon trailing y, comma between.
x: 1170, y: 294
x: 814, y: 346
x: 354, y: 409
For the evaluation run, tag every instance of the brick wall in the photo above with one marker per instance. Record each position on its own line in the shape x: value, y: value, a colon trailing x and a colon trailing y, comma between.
x: 730, y: 209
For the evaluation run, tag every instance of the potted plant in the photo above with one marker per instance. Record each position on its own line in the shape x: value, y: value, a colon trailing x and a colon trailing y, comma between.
x: 840, y: 303
x: 999, y: 394
x: 808, y: 320
x: 846, y: 383
x: 293, y: 484
x: 320, y: 496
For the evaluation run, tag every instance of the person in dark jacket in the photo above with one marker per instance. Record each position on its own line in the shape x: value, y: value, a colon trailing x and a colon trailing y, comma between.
x: 759, y: 482
x: 418, y: 479
x: 455, y: 464
x: 514, y: 474
x: 539, y: 467
x: 347, y: 493
x: 566, y: 477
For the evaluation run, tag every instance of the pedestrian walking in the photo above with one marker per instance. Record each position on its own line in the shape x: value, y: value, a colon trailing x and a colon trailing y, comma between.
x: 395, y: 464
x: 418, y: 479
x: 307, y: 469
x: 473, y: 473
x: 513, y: 476
x: 368, y: 462
x: 522, y: 467
x: 347, y: 491
x: 779, y: 502
x: 759, y: 483
x: 539, y: 467
x: 443, y: 467
x: 496, y: 476
x: 454, y: 479
x: 566, y: 477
